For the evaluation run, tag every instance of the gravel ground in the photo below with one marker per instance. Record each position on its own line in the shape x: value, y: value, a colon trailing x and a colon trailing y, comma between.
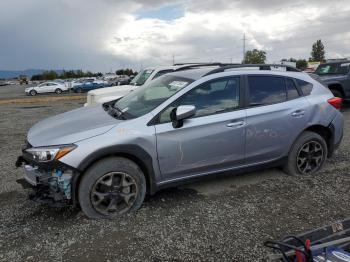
x: 223, y: 219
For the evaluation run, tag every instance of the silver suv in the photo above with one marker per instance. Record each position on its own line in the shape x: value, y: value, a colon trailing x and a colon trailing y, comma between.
x: 183, y: 125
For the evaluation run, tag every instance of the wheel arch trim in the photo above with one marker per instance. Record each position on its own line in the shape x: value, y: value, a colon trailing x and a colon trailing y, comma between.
x: 133, y: 152
x: 326, y: 132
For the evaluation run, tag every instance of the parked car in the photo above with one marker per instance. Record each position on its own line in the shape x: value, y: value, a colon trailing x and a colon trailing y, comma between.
x: 73, y: 83
x: 119, y: 80
x: 336, y: 75
x: 47, y: 87
x: 142, y: 78
x: 89, y: 85
x: 3, y: 82
x: 183, y: 125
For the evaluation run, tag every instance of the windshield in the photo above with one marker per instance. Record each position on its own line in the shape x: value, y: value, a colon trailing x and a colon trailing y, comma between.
x: 333, y: 69
x: 144, y: 99
x: 141, y: 77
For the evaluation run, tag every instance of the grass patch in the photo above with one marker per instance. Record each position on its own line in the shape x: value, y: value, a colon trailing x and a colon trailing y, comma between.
x: 34, y: 100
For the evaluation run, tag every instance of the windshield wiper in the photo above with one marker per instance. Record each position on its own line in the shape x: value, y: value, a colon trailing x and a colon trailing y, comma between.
x: 115, y: 112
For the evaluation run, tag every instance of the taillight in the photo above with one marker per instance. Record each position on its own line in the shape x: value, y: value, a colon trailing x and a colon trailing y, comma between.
x: 335, y: 102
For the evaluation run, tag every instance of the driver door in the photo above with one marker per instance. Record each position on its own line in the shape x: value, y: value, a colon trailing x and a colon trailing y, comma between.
x: 212, y: 140
x: 43, y: 88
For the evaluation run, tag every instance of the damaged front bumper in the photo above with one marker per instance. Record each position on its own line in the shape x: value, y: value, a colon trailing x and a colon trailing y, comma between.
x: 51, y: 184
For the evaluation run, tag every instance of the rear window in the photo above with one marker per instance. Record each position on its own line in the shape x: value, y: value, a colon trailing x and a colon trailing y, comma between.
x: 265, y: 90
x: 305, y: 87
x: 333, y: 69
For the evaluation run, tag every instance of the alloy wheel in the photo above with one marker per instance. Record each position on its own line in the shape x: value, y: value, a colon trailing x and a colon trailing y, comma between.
x: 310, y: 157
x: 114, y: 193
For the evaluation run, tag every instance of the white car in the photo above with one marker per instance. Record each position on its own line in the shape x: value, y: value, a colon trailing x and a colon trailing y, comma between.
x: 47, y: 87
x: 145, y: 76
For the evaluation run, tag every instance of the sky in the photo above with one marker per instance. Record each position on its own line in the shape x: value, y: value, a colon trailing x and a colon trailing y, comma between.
x: 106, y: 35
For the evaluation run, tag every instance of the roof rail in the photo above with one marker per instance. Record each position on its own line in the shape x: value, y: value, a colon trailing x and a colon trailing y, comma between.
x: 190, y: 66
x: 189, y: 63
x: 260, y: 66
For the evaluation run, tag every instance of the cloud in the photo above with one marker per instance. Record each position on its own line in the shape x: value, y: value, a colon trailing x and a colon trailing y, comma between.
x: 57, y: 34
x: 104, y: 34
x: 212, y: 31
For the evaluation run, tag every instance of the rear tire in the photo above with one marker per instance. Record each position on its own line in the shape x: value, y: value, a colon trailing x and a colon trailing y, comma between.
x: 33, y: 92
x: 307, y: 155
x: 58, y: 91
x: 111, y: 187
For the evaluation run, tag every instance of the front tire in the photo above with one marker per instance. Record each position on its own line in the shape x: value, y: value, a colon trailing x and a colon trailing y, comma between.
x: 58, y: 91
x: 307, y: 155
x: 33, y: 92
x: 112, y: 187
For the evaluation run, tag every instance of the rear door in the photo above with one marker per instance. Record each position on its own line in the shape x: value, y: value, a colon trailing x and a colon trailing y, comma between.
x: 276, y: 114
x: 212, y: 140
x: 52, y: 87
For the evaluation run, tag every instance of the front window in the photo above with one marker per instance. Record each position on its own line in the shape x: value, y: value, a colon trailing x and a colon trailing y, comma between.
x: 213, y: 97
x: 333, y: 69
x: 141, y: 77
x: 144, y: 99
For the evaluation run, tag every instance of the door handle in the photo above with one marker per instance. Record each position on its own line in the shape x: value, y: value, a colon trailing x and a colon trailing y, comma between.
x: 235, y: 123
x: 298, y: 113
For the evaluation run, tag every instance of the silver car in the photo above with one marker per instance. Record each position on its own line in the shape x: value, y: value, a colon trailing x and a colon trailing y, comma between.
x: 184, y: 125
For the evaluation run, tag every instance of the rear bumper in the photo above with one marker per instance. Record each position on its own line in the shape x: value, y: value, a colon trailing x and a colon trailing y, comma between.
x: 336, y: 127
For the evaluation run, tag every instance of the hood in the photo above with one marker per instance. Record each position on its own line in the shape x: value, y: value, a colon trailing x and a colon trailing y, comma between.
x: 72, y: 126
x: 107, y: 99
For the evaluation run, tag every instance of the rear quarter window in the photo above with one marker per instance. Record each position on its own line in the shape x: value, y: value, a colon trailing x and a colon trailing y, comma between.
x: 292, y: 91
x: 305, y: 87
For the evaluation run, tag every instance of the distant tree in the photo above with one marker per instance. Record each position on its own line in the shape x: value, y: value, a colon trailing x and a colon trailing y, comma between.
x: 49, y: 75
x: 255, y: 57
x: 36, y: 78
x: 301, y: 64
x: 119, y: 72
x: 318, y: 52
x: 126, y: 71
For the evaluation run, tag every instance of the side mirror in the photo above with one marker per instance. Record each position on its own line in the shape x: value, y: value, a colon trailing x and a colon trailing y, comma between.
x: 180, y: 113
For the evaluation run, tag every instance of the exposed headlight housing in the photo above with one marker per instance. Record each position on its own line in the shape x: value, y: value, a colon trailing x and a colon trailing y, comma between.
x: 46, y: 154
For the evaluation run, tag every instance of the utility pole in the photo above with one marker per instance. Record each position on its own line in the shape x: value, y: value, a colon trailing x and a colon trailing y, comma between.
x: 173, y: 59
x: 244, y: 39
